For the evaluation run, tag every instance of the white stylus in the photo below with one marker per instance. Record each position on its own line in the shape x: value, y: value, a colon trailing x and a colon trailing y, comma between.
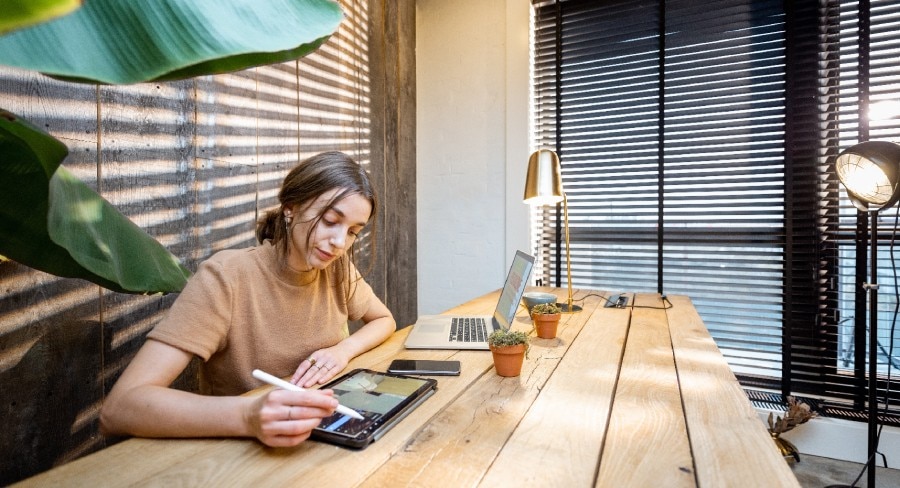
x: 276, y: 381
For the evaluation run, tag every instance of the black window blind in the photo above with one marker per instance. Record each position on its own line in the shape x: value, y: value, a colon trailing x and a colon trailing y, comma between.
x: 697, y: 141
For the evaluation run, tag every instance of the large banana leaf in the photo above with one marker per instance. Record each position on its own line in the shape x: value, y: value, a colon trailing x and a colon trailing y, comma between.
x: 23, y: 13
x: 130, y: 41
x: 51, y: 221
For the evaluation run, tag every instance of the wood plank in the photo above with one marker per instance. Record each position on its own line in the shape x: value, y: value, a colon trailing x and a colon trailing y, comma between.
x: 277, y: 144
x: 145, y: 169
x: 731, y: 445
x: 229, y: 186
x: 559, y: 440
x: 647, y: 438
x: 380, y: 164
x: 400, y: 167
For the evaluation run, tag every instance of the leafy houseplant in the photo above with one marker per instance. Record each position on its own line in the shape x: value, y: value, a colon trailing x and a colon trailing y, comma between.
x: 546, y: 319
x: 508, y: 348
x: 797, y: 413
x: 50, y: 220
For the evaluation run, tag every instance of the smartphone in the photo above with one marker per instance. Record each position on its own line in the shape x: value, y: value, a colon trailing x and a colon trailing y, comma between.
x: 424, y: 367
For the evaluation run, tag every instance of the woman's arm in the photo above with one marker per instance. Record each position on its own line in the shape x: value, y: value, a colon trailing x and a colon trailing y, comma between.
x: 378, y: 325
x: 142, y: 404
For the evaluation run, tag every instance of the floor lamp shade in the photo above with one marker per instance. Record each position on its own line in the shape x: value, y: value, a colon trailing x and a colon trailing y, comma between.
x: 870, y: 172
x: 543, y: 186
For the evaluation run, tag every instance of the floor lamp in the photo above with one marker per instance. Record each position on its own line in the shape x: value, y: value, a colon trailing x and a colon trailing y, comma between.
x: 870, y: 172
x: 543, y: 186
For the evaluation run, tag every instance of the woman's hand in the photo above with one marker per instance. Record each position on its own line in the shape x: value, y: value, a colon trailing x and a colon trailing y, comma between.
x: 284, y: 418
x: 320, y: 367
x: 324, y: 364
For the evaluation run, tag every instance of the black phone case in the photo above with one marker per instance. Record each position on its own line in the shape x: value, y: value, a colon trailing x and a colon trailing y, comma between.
x: 428, y: 372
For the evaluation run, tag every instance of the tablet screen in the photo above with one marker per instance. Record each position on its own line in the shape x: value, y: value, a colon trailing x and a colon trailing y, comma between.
x: 375, y: 395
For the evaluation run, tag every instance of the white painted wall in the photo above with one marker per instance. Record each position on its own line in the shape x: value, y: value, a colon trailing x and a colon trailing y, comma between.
x: 472, y: 65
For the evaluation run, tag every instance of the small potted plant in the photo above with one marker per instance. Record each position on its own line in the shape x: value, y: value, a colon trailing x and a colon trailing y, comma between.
x: 797, y: 413
x: 508, y: 348
x: 546, y: 319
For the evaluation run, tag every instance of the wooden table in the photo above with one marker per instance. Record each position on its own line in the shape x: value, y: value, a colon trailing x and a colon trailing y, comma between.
x: 636, y: 397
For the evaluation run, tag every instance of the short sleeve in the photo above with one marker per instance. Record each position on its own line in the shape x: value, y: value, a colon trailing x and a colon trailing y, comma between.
x: 199, y: 320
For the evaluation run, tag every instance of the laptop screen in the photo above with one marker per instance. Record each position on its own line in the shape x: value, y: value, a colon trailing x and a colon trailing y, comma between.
x: 516, y: 281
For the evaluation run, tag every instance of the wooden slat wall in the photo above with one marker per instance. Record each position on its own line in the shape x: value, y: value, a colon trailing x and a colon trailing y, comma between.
x: 194, y: 163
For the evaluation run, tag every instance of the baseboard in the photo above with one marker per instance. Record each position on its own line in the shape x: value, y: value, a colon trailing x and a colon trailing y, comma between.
x: 840, y: 439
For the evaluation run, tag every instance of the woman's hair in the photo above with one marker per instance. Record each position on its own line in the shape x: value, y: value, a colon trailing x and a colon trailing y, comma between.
x: 308, y: 181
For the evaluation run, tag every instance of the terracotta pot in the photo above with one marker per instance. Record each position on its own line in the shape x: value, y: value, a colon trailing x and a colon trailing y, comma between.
x: 546, y: 324
x: 508, y: 359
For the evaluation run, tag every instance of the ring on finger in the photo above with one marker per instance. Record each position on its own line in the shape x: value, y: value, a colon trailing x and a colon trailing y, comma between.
x: 312, y: 361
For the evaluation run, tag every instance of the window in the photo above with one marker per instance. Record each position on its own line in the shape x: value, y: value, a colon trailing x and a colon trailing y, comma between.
x: 696, y: 144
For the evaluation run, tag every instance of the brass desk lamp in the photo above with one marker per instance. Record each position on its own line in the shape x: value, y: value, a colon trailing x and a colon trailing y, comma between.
x: 543, y: 186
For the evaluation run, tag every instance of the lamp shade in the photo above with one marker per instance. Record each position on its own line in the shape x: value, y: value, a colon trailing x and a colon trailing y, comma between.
x: 870, y: 171
x: 543, y: 184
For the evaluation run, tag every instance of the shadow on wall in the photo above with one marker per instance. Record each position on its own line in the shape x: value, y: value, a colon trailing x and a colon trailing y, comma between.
x: 56, y: 370
x: 64, y: 342
x: 49, y: 396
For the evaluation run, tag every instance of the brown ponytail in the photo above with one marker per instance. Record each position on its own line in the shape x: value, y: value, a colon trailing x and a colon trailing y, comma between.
x: 268, y: 226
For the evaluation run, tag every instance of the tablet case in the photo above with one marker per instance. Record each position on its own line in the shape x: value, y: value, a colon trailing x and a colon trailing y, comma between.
x: 382, y: 398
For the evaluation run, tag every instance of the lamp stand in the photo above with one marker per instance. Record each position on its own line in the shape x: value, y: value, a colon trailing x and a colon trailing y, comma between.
x: 568, y: 307
x: 872, y: 289
x: 870, y: 171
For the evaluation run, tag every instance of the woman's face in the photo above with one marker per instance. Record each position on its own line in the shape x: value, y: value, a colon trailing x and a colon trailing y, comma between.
x: 331, y: 236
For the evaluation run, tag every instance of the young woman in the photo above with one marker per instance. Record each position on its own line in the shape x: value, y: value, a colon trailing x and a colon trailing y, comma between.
x: 281, y: 307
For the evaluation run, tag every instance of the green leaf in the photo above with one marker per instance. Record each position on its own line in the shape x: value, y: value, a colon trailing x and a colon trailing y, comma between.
x: 106, y: 242
x: 125, y: 41
x: 51, y: 221
x: 24, y: 13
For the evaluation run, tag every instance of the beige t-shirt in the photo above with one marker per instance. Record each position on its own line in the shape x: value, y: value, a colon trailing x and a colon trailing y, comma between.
x: 242, y: 310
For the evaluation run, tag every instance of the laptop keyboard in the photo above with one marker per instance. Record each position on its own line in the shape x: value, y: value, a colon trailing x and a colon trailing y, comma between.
x: 468, y: 329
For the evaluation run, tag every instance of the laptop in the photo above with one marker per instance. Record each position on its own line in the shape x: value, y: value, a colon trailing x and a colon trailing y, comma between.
x: 470, y: 332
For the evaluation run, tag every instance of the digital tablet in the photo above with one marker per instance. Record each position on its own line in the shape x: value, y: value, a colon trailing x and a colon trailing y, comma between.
x: 383, y: 399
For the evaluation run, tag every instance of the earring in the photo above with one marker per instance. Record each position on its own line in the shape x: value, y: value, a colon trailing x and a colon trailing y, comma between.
x: 287, y: 222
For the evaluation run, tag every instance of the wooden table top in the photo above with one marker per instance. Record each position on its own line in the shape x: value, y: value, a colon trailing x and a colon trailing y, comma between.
x: 639, y: 396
